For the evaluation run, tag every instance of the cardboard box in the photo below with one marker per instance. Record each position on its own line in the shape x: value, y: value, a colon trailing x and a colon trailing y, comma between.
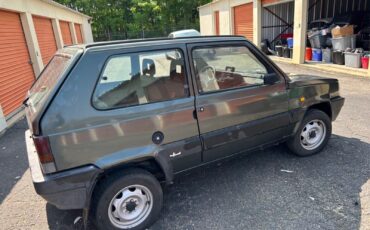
x: 342, y: 31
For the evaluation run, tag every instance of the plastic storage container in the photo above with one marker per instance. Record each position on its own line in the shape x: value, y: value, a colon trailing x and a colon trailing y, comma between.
x: 352, y: 59
x: 327, y: 55
x: 365, y: 62
x: 316, y: 55
x: 338, y: 57
x: 286, y: 52
x: 343, y: 43
x: 279, y: 51
x: 308, y: 56
x: 318, y: 41
x: 290, y: 42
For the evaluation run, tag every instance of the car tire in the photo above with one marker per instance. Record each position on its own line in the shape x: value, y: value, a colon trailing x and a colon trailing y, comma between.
x: 312, y: 135
x: 137, y: 195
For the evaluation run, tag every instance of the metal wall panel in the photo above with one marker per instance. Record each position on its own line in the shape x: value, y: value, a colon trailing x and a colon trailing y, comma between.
x: 284, y: 11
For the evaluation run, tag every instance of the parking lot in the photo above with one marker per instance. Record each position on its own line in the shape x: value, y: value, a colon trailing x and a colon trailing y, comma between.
x: 269, y: 189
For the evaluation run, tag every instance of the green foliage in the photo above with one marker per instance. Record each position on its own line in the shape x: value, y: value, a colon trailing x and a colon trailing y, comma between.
x: 121, y: 19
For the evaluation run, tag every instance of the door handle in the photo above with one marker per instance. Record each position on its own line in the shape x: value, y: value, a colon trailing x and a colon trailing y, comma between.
x: 201, y: 109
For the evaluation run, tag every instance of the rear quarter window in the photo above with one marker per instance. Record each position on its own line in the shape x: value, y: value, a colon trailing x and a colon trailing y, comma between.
x: 49, y: 78
x: 141, y: 78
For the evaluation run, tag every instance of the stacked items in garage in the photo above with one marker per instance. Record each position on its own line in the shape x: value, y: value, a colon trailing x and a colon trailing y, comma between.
x: 341, y: 40
x: 284, y: 46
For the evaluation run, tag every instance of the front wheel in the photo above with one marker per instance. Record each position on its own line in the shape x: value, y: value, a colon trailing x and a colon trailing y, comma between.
x: 312, y: 135
x: 131, y: 200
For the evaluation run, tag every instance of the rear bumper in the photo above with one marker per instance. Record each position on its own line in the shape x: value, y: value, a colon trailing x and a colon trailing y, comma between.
x: 336, y: 105
x: 70, y: 189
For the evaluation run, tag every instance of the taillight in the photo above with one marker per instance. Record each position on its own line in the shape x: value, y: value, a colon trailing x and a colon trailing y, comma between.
x: 43, y: 149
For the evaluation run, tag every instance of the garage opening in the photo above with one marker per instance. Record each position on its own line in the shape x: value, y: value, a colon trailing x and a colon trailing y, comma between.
x: 339, y: 33
x: 277, y: 27
x: 45, y: 38
x: 16, y: 73
x: 243, y: 20
x: 79, y: 33
x: 66, y: 33
x: 217, y: 22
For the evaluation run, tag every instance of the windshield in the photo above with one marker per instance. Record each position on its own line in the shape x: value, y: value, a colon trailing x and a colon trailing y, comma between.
x: 49, y: 78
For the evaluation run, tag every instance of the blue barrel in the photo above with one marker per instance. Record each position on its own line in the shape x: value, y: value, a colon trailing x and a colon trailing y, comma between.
x: 290, y: 42
x: 316, y: 54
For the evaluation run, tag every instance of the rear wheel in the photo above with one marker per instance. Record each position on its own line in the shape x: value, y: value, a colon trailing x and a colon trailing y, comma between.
x: 312, y: 135
x: 129, y: 201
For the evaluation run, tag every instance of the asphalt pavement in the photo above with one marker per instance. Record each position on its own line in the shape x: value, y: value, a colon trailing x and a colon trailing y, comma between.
x: 269, y: 189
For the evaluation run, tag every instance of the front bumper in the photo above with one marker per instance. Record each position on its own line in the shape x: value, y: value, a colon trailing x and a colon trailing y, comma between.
x: 336, y: 105
x: 70, y: 189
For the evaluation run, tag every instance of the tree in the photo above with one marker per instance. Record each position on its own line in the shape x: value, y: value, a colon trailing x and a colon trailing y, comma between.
x: 121, y: 19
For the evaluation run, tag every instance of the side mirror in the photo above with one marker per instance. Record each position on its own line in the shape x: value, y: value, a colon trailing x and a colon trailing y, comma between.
x: 270, y: 78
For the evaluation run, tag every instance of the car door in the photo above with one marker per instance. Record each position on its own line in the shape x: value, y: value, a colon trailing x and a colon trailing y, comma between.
x: 145, y: 103
x: 238, y: 105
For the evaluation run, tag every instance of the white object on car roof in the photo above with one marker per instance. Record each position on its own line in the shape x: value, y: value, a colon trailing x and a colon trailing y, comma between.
x: 184, y: 33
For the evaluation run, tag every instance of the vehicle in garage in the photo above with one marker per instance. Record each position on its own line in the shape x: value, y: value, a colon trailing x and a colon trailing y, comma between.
x: 110, y: 121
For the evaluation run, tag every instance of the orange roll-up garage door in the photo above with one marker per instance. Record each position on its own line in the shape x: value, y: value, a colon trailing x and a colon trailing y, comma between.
x: 79, y: 34
x: 16, y: 73
x: 217, y: 22
x: 45, y: 37
x: 243, y: 20
x: 66, y: 33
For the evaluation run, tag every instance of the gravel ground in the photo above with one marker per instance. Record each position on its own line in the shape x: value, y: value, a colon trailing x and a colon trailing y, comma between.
x: 251, y: 191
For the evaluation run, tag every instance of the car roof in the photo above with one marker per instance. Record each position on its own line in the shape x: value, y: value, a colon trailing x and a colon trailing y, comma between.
x: 157, y: 41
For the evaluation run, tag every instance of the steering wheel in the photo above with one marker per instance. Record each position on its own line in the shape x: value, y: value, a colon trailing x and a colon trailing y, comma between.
x: 207, y: 75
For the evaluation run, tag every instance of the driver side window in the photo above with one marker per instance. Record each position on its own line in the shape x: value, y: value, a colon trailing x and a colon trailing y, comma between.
x: 220, y: 68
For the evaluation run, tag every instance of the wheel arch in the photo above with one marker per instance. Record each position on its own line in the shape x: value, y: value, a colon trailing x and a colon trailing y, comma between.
x: 322, y: 106
x: 157, y: 165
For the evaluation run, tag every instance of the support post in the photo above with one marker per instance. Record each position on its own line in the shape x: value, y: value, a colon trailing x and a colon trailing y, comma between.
x: 257, y: 22
x: 3, y: 124
x: 57, y: 33
x: 32, y: 43
x: 300, y: 30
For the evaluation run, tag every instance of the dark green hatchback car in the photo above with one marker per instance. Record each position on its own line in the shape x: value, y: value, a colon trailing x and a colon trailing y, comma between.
x: 111, y: 121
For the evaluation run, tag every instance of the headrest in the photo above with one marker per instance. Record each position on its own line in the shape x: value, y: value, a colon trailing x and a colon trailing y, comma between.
x: 148, y: 67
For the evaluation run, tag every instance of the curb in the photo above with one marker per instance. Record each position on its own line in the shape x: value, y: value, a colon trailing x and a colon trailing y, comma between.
x: 326, y: 67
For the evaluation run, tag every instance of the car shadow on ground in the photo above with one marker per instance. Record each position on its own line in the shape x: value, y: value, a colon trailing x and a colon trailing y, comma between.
x: 269, y: 189
x: 13, y: 160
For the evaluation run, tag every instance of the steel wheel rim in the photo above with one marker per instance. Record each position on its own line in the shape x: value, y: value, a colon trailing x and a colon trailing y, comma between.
x: 313, y: 134
x: 130, y: 206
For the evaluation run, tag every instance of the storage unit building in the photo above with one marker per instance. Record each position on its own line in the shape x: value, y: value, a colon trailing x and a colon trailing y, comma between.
x: 31, y: 31
x: 277, y: 20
